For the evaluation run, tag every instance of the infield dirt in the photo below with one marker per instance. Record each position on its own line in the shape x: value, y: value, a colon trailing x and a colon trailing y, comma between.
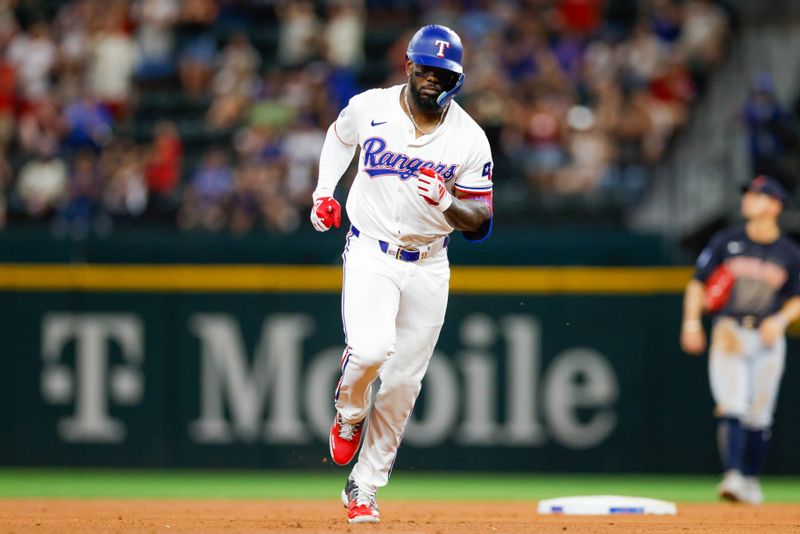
x: 297, y: 517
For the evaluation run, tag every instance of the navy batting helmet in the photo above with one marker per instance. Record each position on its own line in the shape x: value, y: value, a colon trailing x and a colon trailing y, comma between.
x: 438, y: 46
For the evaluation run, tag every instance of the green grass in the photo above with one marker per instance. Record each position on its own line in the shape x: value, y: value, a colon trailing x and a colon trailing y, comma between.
x: 86, y: 483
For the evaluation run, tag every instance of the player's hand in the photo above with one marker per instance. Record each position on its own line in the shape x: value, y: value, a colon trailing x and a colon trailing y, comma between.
x: 325, y: 213
x: 430, y: 186
x: 772, y: 328
x: 693, y: 338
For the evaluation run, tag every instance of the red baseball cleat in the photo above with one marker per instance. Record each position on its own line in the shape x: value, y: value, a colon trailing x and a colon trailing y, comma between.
x: 344, y: 440
x: 361, y: 506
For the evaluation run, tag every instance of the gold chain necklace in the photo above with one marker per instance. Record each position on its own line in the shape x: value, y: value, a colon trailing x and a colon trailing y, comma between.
x: 411, y: 115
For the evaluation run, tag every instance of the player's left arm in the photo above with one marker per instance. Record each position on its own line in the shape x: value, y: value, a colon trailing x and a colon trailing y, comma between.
x: 466, y: 202
x: 790, y: 310
x: 468, y: 214
x: 774, y: 326
x: 469, y: 211
x: 472, y: 209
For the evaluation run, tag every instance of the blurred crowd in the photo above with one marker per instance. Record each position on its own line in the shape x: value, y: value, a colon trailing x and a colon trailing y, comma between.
x: 773, y: 133
x: 584, y: 96
x: 211, y: 114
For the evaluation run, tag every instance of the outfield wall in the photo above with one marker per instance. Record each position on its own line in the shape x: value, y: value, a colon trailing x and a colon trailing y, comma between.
x: 540, y: 369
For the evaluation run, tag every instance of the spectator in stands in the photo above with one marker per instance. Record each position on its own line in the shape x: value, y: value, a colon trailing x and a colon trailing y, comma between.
x: 656, y: 124
x: 395, y: 57
x: 234, y: 82
x: 197, y: 54
x: 238, y: 15
x: 33, y: 54
x: 344, y: 34
x: 77, y: 213
x: 589, y: 152
x: 305, y: 92
x: 666, y: 18
x: 301, y: 148
x: 525, y: 44
x: 262, y: 175
x: 299, y: 33
x: 672, y: 86
x: 641, y: 55
x: 249, y: 197
x: 76, y: 25
x: 260, y: 141
x: 769, y: 131
x: 703, y: 33
x: 155, y: 37
x: 277, y: 111
x: 6, y: 178
x: 162, y: 169
x: 40, y: 126
x: 8, y: 22
x: 42, y: 183
x: 207, y: 198
x: 125, y: 197
x: 200, y: 14
x: 8, y: 103
x: 582, y: 17
x: 112, y: 62
x: 88, y: 123
x: 343, y: 47
x: 280, y: 215
x: 542, y: 133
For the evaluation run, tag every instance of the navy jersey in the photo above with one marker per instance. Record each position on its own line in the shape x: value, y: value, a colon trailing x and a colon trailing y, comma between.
x: 766, y: 274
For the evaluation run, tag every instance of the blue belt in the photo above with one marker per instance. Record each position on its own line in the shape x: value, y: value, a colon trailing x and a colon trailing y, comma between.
x: 403, y: 254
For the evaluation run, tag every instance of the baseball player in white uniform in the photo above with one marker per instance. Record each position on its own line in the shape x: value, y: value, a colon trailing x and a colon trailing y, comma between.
x: 425, y: 169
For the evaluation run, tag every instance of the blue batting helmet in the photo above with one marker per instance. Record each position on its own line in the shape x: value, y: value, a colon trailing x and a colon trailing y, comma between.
x: 438, y: 46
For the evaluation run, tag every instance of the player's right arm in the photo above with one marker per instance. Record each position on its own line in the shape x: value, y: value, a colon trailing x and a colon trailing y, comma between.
x: 337, y: 153
x: 693, y: 336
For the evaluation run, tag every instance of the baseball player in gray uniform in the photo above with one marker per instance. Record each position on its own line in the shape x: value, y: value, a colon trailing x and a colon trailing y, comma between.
x: 425, y: 170
x: 748, y: 344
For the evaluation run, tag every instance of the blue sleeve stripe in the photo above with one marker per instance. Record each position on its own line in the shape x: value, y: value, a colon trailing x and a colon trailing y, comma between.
x: 466, y: 188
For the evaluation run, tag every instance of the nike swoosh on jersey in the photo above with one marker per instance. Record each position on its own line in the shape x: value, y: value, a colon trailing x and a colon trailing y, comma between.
x: 377, y: 123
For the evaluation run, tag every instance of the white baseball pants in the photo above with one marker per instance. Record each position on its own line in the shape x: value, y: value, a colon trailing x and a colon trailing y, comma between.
x: 392, y: 312
x: 745, y: 375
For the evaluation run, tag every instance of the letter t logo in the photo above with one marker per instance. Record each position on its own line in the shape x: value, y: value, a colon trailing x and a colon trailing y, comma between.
x: 93, y: 382
x: 442, y: 45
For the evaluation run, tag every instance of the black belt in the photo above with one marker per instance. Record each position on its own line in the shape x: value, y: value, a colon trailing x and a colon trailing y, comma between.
x: 749, y: 321
x: 404, y: 254
x: 745, y: 321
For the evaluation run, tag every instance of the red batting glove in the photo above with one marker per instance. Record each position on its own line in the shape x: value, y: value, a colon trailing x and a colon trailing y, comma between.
x: 430, y: 186
x: 326, y: 213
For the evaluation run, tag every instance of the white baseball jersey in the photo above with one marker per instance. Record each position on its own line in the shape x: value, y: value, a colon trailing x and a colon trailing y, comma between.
x: 383, y: 202
x: 393, y: 308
